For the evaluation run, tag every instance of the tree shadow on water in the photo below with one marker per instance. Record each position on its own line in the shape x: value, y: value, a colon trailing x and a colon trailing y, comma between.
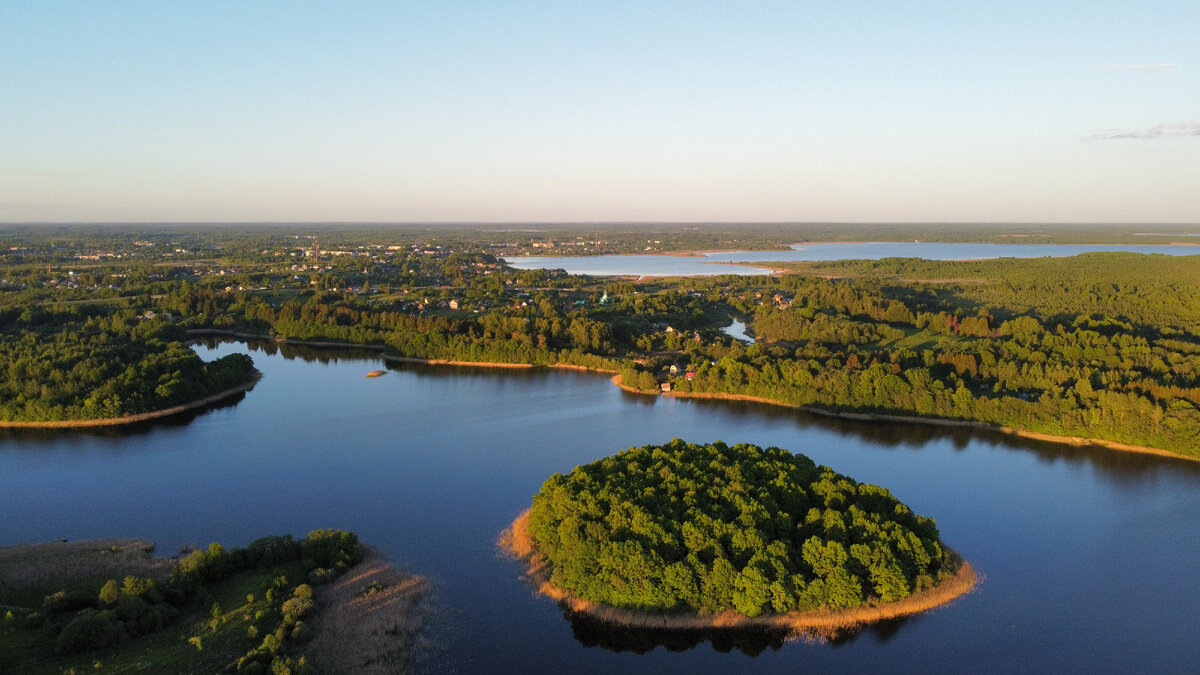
x: 592, y: 632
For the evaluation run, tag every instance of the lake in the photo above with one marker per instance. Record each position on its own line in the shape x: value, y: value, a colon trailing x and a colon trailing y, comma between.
x: 1089, y: 556
x: 703, y: 265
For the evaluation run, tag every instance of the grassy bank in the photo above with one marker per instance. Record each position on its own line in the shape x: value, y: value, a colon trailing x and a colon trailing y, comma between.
x: 372, y: 609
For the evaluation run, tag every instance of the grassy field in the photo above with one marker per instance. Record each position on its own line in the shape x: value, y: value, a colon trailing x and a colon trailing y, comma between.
x: 214, y: 644
x: 369, y: 620
x: 33, y: 571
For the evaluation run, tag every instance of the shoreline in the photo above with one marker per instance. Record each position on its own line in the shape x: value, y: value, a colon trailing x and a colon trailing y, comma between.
x: 1077, y: 441
x: 444, y: 362
x: 281, y: 340
x: 516, y: 541
x: 139, y: 417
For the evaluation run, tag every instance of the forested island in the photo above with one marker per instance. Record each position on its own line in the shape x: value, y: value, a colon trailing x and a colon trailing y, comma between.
x: 279, y: 605
x: 1102, y: 347
x: 691, y: 535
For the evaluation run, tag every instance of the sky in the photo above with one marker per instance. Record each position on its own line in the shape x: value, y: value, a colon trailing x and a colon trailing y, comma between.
x: 560, y: 111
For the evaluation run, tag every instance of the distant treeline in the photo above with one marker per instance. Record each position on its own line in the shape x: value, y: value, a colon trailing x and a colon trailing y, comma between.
x: 1103, y: 345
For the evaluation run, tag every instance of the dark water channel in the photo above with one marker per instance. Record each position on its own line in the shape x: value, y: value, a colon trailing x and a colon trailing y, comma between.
x: 1090, y: 556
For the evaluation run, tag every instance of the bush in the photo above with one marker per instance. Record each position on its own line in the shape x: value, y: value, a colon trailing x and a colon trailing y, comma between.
x: 64, y: 601
x: 302, y: 633
x: 91, y: 629
x: 321, y: 575
x: 298, y: 607
x: 109, y: 593
x: 326, y: 548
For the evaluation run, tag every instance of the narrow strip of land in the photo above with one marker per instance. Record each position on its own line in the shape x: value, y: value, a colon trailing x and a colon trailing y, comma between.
x: 932, y: 421
x: 133, y: 419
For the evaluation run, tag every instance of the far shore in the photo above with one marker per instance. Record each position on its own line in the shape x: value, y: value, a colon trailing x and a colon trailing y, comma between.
x: 444, y: 362
x: 134, y: 419
x: 1078, y: 441
x: 216, y: 332
x: 516, y: 541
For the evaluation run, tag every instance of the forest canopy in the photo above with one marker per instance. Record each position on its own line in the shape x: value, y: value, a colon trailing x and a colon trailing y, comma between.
x: 688, y: 528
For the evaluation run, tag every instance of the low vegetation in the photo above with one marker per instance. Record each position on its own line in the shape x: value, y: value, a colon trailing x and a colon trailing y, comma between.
x: 251, y: 610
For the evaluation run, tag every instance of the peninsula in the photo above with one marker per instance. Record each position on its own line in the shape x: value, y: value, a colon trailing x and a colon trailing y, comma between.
x: 322, y: 603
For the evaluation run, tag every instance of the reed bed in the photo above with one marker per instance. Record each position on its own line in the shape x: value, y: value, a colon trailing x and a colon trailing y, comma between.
x: 359, y: 630
x: 32, y: 569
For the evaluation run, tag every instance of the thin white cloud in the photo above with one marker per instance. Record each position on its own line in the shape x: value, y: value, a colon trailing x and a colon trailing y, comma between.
x: 1150, y: 68
x: 1175, y: 130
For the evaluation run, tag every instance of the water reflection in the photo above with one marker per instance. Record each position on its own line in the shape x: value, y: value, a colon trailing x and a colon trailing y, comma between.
x: 592, y: 632
x: 309, y: 353
x: 916, y: 435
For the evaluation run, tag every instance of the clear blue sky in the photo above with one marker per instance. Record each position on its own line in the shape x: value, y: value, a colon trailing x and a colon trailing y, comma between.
x: 563, y: 111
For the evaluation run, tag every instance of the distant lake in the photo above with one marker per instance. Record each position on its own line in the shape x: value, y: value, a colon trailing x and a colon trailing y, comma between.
x: 1088, y: 556
x: 670, y: 265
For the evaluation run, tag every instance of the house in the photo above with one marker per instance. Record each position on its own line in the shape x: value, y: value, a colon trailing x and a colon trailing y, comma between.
x: 453, y: 304
x: 666, y: 386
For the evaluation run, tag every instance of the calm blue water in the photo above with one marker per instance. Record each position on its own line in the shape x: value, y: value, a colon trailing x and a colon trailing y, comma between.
x: 640, y: 265
x: 663, y: 265
x: 1089, y: 556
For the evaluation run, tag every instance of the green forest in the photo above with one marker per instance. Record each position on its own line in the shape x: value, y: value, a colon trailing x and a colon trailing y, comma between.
x: 69, y: 364
x: 706, y: 528
x: 1104, y: 346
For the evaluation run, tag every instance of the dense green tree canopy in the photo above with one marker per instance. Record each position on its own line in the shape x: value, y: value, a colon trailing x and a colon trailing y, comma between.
x: 705, y: 528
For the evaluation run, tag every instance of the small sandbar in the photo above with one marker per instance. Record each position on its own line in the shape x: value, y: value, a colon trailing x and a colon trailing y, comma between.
x: 377, y: 373
x: 516, y: 542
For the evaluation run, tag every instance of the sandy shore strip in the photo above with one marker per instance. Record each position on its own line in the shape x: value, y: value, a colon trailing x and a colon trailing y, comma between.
x: 516, y: 541
x: 1079, y: 441
x: 444, y: 362
x: 133, y: 419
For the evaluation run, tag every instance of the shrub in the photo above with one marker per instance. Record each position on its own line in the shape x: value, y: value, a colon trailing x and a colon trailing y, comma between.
x: 298, y: 607
x: 91, y: 629
x: 302, y: 633
x: 321, y: 575
x: 66, y: 601
x: 326, y: 548
x: 372, y: 588
x: 109, y: 593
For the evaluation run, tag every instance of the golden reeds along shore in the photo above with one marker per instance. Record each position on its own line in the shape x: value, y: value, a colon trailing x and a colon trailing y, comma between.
x: 516, y: 542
